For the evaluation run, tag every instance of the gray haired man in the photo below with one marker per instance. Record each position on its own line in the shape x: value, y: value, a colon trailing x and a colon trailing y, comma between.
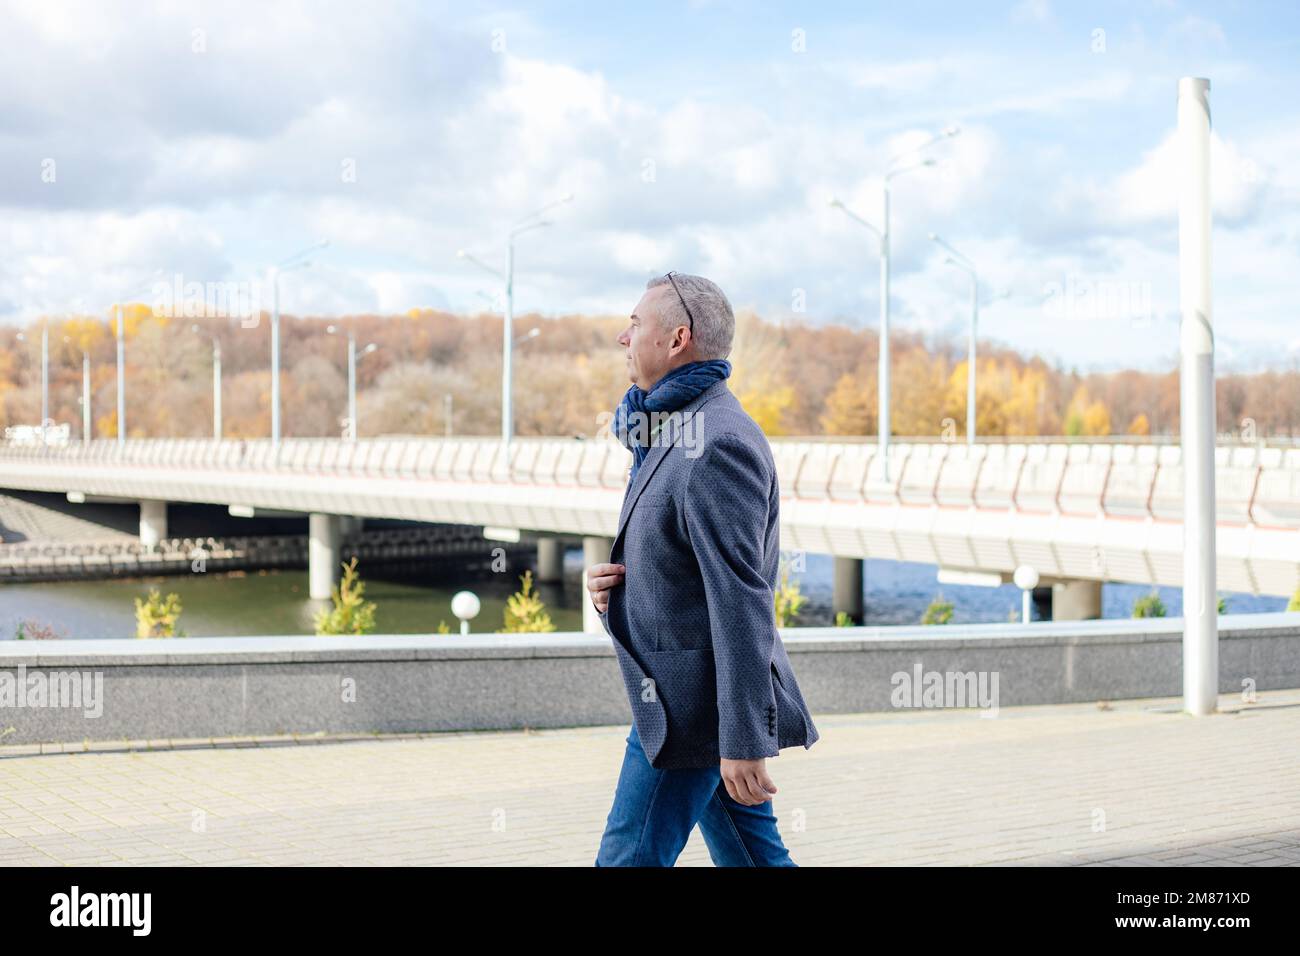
x: 687, y: 596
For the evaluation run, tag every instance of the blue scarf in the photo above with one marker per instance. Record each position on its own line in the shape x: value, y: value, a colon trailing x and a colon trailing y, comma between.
x: 676, y: 388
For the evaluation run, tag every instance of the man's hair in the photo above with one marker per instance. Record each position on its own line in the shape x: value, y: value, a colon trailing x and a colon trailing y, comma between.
x: 715, y: 323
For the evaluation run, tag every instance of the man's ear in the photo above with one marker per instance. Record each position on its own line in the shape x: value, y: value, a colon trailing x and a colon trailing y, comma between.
x: 681, y: 339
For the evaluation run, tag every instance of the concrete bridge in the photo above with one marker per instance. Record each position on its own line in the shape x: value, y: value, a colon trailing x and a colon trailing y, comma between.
x: 1080, y: 512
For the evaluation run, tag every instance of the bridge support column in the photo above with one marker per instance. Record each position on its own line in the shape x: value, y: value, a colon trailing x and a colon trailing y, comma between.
x: 1076, y: 600
x: 153, y: 522
x: 550, y: 560
x: 595, y: 550
x: 847, y: 594
x: 324, y: 544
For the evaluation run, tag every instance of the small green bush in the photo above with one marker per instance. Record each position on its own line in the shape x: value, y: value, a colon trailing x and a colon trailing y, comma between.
x: 525, y: 612
x: 352, y: 613
x: 1149, y: 606
x: 787, y: 599
x: 156, y: 616
x: 939, y: 612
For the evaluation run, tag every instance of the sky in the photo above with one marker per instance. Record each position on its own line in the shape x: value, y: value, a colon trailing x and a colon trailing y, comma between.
x: 205, y: 142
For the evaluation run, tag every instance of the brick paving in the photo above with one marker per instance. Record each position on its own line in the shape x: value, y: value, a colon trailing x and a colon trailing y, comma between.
x: 1134, y: 784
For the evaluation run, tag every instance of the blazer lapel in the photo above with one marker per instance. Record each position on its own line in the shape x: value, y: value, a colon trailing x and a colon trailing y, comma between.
x: 659, y: 448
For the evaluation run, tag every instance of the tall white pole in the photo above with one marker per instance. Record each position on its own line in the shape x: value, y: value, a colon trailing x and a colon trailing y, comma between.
x: 970, y: 359
x: 1200, y: 602
x: 216, y: 389
x: 352, y: 385
x: 882, y: 376
x: 85, y: 397
x: 45, y: 377
x: 121, y: 374
x: 507, y: 352
x: 275, y: 357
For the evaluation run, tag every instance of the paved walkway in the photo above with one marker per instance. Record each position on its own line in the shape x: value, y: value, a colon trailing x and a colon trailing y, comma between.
x: 1135, y: 784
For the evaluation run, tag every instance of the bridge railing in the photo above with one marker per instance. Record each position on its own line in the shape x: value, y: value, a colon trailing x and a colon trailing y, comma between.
x: 1255, y: 484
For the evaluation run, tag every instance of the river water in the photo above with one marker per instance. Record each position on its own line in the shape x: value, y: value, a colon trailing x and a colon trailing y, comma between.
x: 276, y: 602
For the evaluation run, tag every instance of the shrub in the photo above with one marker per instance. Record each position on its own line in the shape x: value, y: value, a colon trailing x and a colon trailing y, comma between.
x: 787, y: 600
x: 352, y: 613
x: 29, y: 630
x: 939, y: 612
x: 525, y: 612
x: 156, y: 616
x: 1149, y: 606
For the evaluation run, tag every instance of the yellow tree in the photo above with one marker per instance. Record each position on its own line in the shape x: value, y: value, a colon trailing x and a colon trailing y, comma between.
x: 769, y: 407
x: 758, y: 374
x: 850, y: 407
x: 919, y: 403
x: 1086, y: 417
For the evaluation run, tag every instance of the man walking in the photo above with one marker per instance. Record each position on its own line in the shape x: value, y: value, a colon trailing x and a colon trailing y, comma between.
x: 687, y: 596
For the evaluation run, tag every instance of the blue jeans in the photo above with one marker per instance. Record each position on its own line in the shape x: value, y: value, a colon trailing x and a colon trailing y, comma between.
x: 655, y: 810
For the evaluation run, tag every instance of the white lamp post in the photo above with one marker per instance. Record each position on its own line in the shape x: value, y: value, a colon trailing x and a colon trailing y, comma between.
x: 955, y: 258
x: 1026, y: 578
x: 465, y: 605
x: 507, y: 386
x: 45, y: 378
x: 85, y: 392
x: 121, y: 359
x: 1196, y: 345
x: 287, y: 265
x: 884, y: 235
x: 352, y: 377
x: 216, y: 384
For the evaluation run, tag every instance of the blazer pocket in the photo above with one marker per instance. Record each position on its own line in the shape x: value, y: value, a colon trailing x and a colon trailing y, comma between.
x: 686, y: 683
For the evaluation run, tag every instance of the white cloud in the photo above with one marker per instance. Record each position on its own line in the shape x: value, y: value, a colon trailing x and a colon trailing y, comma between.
x: 218, y: 164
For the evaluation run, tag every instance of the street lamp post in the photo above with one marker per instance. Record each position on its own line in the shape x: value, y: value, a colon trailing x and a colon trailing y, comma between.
x: 85, y: 397
x: 216, y: 385
x: 45, y: 378
x: 287, y: 265
x: 352, y: 377
x: 121, y: 361
x: 955, y: 258
x: 85, y: 392
x: 884, y: 235
x: 507, y: 348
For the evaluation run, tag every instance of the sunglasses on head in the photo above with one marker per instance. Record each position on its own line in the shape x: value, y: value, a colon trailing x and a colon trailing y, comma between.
x: 682, y: 299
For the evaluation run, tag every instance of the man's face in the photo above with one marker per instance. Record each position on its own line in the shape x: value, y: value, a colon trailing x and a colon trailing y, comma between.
x: 651, y: 349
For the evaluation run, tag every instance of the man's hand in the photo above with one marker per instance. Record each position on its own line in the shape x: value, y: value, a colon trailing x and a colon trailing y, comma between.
x: 747, y: 781
x: 600, y: 578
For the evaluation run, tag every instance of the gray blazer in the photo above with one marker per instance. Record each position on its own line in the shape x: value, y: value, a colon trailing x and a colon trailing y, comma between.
x: 693, y: 622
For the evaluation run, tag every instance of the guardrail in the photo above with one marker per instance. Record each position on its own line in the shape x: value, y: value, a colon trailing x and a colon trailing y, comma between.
x: 1255, y: 484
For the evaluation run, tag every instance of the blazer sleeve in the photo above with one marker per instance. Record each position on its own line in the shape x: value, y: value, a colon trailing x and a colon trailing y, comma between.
x: 726, y: 509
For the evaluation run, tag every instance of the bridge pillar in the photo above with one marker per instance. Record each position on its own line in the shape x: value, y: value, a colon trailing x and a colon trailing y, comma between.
x: 1076, y: 600
x: 153, y: 522
x: 847, y: 594
x: 324, y: 544
x: 550, y: 560
x: 595, y: 550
